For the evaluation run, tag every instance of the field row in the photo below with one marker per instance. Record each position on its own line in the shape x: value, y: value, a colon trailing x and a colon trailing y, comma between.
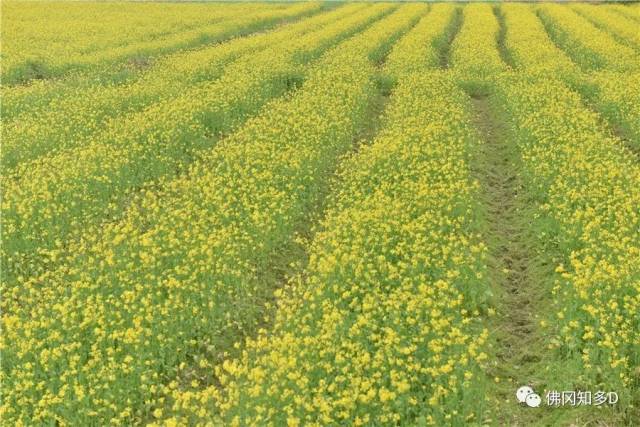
x: 90, y: 42
x: 150, y: 223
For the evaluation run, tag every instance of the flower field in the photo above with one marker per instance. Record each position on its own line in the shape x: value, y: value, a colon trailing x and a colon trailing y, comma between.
x: 292, y: 214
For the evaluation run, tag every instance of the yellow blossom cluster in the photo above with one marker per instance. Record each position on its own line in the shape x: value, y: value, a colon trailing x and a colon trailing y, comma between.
x: 591, y: 47
x: 624, y: 29
x: 79, y: 112
x: 474, y: 52
x: 383, y: 328
x: 160, y: 164
x: 629, y: 10
x: 97, y: 338
x: 77, y: 36
x: 586, y: 188
x: 418, y: 50
x: 55, y: 197
x: 618, y: 98
x: 616, y: 94
x: 529, y: 46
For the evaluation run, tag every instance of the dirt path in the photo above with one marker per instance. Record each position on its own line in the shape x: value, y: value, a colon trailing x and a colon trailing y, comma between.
x: 444, y: 44
x: 502, y: 35
x: 515, y: 325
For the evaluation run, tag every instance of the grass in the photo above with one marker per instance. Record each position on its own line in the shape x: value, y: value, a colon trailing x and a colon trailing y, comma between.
x: 496, y: 168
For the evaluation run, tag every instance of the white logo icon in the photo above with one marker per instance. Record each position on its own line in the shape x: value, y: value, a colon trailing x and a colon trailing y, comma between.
x: 525, y: 394
x: 533, y: 400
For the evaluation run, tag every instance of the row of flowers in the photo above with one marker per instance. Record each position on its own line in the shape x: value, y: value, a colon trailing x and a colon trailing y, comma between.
x: 90, y: 177
x: 69, y: 41
x: 99, y: 338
